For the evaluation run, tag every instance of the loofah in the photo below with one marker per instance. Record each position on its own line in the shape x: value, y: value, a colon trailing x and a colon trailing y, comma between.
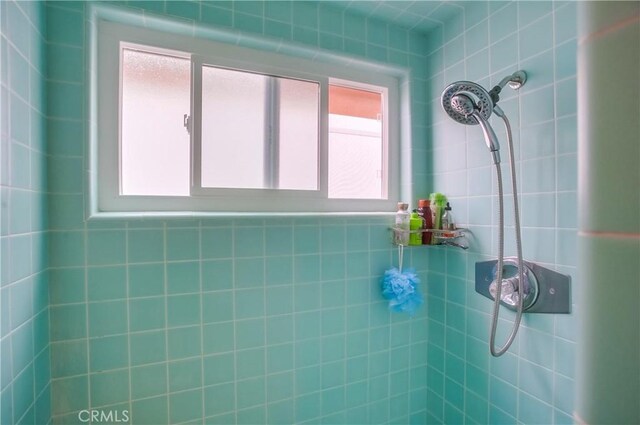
x: 401, y: 289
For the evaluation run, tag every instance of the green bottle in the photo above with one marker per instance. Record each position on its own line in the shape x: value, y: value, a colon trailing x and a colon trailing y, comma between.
x: 438, y: 203
x: 415, y: 224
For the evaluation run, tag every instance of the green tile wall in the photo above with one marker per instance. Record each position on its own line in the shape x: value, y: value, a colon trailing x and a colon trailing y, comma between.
x: 534, y: 382
x: 234, y: 321
x: 24, y: 304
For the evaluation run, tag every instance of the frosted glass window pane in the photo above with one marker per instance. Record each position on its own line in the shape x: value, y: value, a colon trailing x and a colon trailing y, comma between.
x: 355, y: 144
x: 233, y: 128
x: 298, y: 138
x: 154, y: 144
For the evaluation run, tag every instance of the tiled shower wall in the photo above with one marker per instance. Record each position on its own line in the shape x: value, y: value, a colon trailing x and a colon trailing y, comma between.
x: 534, y: 381
x: 24, y: 309
x: 247, y: 320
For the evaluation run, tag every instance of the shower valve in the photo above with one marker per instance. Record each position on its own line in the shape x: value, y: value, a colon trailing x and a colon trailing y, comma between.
x: 546, y: 291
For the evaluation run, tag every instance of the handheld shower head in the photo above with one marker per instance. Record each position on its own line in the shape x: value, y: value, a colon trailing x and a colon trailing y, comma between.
x: 458, y: 103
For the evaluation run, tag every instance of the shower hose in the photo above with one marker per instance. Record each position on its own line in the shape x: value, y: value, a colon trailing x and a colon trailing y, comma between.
x: 497, y: 352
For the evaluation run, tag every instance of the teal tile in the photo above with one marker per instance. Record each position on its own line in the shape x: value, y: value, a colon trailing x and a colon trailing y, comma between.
x: 565, y: 22
x: 183, y: 244
x: 219, y: 399
x: 278, y: 240
x: 106, y: 283
x: 109, y: 387
x: 533, y: 410
x: 249, y: 333
x: 249, y: 23
x: 145, y: 245
x: 250, y: 392
x: 183, y: 310
x: 536, y: 38
x: 333, y: 293
x: 504, y: 54
x: 539, y: 175
x: 68, y: 322
x: 150, y: 411
x: 306, y: 14
x: 146, y: 280
x: 19, y: 132
x: 65, y: 63
x: 307, y: 353
x: 279, y: 270
x: 250, y: 7
x: 279, y: 386
x: 66, y: 212
x: 185, y: 406
x: 148, y: 381
x: 357, y: 264
x: 148, y: 347
x: 19, y: 211
x: 22, y: 298
x: 503, y: 22
x: 333, y: 321
x: 69, y: 394
x: 218, y: 338
x: 307, y: 407
x: 217, y: 242
x: 217, y: 275
x: 65, y: 26
x: 64, y: 137
x: 249, y: 272
x: 248, y: 241
x: 68, y: 358
x: 279, y: 300
x: 280, y: 412
x: 330, y: 19
x: 277, y: 29
x: 185, y: 375
x: 279, y: 11
x: 250, y: 363
x: 108, y: 353
x: 306, y: 239
x: 280, y: 358
x: 146, y: 314
x: 69, y: 249
x: 107, y: 318
x: 249, y: 303
x: 184, y: 342
x: 22, y: 392
x: 183, y: 9
x: 306, y: 297
x: 216, y: 16
x: 183, y: 278
x: 332, y: 238
x: 65, y: 100
x: 306, y: 268
x: 307, y: 325
x: 106, y: 247
x: 219, y: 368
x: 217, y: 306
x: 65, y: 175
x: 566, y: 97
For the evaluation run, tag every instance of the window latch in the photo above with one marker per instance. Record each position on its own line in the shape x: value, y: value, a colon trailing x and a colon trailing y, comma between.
x: 187, y: 123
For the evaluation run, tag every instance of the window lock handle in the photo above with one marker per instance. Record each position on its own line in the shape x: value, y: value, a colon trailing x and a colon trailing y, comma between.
x: 187, y: 122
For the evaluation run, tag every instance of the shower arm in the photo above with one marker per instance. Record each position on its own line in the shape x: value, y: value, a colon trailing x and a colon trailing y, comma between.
x: 515, y: 81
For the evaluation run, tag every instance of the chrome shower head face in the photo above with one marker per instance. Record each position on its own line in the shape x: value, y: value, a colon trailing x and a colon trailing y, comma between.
x: 462, y: 98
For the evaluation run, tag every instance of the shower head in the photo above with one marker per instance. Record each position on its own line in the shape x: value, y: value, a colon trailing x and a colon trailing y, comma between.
x: 458, y: 107
x: 469, y: 103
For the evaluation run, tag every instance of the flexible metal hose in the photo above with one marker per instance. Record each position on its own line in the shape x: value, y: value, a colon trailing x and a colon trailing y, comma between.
x: 497, y: 352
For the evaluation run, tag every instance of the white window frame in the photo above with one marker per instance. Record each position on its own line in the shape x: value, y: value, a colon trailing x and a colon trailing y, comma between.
x: 105, y: 153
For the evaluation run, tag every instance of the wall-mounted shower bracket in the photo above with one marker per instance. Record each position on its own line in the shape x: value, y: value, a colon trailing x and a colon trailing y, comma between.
x: 546, y: 291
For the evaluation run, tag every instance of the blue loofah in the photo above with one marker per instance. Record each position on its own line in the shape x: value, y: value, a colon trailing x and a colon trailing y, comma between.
x: 401, y: 289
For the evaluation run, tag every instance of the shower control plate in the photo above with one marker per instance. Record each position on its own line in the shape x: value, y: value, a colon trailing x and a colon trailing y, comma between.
x: 554, y: 289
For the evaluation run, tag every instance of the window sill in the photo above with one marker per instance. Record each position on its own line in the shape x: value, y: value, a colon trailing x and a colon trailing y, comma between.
x: 97, y: 216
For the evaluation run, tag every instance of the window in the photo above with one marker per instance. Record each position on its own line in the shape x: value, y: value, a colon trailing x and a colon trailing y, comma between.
x: 186, y: 124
